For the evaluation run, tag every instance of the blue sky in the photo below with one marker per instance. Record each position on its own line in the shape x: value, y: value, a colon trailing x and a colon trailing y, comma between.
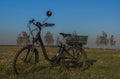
x: 86, y: 17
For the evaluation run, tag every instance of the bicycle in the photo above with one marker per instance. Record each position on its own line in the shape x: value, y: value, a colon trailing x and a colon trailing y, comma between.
x: 27, y: 57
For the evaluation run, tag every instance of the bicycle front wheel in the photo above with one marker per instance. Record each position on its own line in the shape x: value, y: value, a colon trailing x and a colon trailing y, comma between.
x: 25, y: 60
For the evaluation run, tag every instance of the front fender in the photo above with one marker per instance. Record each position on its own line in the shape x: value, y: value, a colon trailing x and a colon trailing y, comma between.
x: 36, y: 55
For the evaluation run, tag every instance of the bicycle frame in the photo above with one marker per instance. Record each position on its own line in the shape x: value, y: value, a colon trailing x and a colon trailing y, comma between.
x: 60, y: 53
x: 39, y: 39
x: 62, y: 47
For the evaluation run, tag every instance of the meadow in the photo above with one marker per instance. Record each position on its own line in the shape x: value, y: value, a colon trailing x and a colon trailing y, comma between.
x: 106, y: 65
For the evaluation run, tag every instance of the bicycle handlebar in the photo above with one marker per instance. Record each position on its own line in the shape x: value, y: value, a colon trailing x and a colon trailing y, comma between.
x: 38, y: 24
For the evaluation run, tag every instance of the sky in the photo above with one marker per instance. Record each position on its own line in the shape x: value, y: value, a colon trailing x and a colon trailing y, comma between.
x: 86, y: 17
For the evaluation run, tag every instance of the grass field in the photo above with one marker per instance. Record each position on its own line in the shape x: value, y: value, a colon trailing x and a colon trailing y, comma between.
x: 107, y: 66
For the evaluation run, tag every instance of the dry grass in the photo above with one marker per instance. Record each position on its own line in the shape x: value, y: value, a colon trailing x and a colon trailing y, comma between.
x: 106, y: 66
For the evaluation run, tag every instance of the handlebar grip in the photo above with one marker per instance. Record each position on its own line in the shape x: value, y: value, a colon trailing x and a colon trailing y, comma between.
x: 48, y: 24
x: 31, y: 21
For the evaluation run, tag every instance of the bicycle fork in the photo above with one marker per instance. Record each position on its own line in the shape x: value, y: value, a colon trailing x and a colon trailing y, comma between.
x: 30, y: 53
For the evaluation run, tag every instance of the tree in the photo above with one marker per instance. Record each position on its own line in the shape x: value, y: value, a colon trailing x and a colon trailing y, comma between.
x: 57, y: 40
x: 49, y: 38
x: 112, y: 40
x: 102, y: 40
x: 23, y: 39
x: 19, y: 40
x: 74, y: 36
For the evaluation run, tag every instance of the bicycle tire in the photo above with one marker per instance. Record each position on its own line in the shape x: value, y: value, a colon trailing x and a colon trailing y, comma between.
x: 27, y: 60
x: 75, y: 56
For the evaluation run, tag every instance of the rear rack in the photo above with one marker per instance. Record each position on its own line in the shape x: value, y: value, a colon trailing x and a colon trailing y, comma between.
x: 71, y: 40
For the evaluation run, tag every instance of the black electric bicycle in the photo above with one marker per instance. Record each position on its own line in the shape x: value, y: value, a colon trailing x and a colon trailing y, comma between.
x: 27, y: 57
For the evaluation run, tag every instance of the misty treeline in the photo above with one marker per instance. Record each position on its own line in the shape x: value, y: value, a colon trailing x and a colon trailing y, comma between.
x: 104, y: 40
x: 49, y: 39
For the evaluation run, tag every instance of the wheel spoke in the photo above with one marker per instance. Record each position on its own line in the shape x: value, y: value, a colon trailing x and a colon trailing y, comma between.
x: 75, y: 55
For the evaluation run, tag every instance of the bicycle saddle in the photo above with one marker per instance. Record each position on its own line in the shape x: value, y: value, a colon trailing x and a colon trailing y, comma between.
x: 65, y: 34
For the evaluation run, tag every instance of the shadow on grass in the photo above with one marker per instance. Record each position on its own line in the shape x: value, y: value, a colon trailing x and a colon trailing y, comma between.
x: 82, y: 66
x: 91, y: 62
x: 76, y: 66
x: 39, y: 68
x: 88, y: 64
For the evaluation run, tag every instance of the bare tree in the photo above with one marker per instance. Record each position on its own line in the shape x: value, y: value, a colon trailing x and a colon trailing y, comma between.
x: 74, y: 36
x: 19, y: 40
x: 105, y: 40
x: 104, y: 34
x: 112, y: 40
x: 102, y: 40
x: 23, y: 39
x: 57, y: 40
x: 49, y: 38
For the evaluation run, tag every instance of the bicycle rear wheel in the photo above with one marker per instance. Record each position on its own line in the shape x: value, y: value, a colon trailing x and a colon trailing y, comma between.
x: 25, y: 60
x: 75, y: 56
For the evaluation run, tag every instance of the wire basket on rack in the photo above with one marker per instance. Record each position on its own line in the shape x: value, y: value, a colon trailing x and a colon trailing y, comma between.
x: 77, y: 39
